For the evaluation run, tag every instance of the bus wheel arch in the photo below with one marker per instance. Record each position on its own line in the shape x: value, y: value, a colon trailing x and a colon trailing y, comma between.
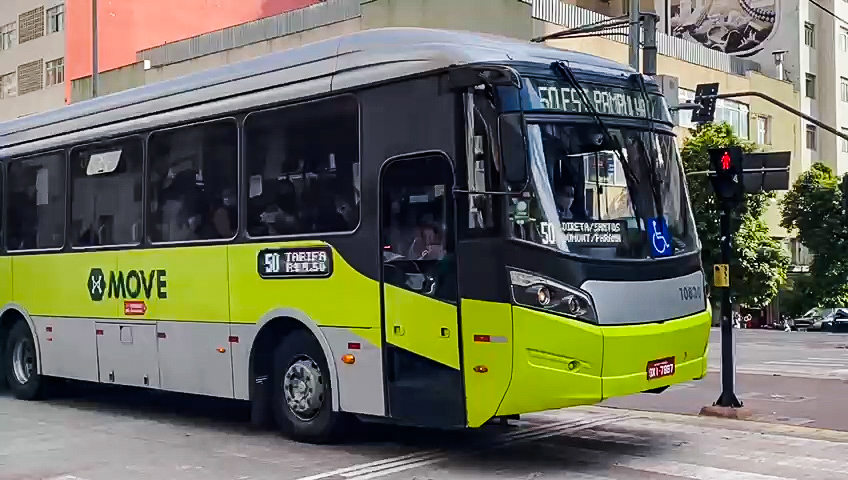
x: 271, y: 330
x: 15, y: 325
x: 11, y: 314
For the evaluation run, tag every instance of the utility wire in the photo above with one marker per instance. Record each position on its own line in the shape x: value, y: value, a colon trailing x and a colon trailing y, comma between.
x: 814, y: 2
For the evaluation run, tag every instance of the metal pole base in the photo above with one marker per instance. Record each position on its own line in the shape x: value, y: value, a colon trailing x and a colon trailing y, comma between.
x: 728, y: 400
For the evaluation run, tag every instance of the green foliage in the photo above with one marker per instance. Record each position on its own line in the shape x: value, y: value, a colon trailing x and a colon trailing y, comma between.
x: 759, y: 263
x: 813, y: 209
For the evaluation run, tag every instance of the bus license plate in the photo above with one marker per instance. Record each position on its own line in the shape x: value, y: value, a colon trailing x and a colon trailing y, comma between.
x: 661, y: 368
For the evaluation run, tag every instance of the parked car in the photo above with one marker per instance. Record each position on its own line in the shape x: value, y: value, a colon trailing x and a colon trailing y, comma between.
x: 813, y: 317
x: 836, y: 321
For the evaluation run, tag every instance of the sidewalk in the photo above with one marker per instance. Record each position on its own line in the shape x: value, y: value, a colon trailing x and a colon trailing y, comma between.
x: 789, y: 400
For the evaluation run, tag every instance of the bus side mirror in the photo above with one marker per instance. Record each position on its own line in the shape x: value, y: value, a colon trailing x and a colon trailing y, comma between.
x: 514, y: 150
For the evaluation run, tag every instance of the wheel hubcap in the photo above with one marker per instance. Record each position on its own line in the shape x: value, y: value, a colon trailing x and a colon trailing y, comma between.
x: 23, y: 361
x: 303, y: 385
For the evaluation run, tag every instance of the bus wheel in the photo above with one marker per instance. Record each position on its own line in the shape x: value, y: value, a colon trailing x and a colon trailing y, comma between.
x: 20, y: 364
x: 302, y: 400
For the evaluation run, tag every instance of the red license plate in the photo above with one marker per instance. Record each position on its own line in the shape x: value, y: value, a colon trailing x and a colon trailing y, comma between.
x: 661, y: 368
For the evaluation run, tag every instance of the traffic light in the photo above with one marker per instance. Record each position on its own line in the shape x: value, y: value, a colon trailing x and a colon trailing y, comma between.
x: 727, y: 179
x: 705, y: 96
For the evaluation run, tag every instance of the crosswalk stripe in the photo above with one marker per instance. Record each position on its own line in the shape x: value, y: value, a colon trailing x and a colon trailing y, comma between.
x: 689, y: 470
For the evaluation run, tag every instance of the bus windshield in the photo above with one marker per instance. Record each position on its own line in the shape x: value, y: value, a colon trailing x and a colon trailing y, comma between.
x: 582, y: 200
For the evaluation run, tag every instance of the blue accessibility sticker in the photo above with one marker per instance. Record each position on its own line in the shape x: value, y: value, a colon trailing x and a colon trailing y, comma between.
x: 660, y: 237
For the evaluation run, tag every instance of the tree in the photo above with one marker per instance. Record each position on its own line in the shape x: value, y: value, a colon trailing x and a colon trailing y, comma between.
x: 759, y: 263
x: 813, y: 209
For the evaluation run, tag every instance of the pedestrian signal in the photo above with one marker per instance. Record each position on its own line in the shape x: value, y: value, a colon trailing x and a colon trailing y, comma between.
x: 727, y: 179
x: 725, y: 161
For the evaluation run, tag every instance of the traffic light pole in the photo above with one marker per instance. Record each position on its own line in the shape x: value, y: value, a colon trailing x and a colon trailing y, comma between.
x: 728, y: 382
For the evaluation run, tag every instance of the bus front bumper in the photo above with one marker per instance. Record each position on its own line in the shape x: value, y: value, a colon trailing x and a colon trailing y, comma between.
x: 560, y: 362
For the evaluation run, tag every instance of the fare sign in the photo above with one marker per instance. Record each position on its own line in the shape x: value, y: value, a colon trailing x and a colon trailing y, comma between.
x: 303, y: 262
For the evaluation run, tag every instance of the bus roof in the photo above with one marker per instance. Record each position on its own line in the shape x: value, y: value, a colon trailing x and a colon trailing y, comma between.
x: 329, y: 65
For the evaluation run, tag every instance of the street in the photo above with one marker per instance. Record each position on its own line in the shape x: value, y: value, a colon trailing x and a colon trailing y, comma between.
x: 112, y: 434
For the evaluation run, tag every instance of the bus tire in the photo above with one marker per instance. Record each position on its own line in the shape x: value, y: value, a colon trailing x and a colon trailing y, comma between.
x: 302, y: 392
x: 20, y: 364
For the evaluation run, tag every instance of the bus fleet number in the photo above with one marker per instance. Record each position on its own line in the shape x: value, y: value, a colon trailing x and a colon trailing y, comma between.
x: 689, y: 293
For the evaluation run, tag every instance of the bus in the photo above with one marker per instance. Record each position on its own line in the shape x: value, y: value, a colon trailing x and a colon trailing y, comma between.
x: 428, y: 227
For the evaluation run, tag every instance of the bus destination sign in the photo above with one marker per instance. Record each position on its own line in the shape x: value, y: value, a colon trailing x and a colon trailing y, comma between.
x: 309, y: 262
x: 597, y: 233
x: 607, y: 100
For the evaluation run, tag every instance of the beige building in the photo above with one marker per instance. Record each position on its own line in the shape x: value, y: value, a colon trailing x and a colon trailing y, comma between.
x: 32, y: 56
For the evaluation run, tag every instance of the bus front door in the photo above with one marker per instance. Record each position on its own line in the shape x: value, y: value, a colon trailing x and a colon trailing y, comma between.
x: 422, y: 361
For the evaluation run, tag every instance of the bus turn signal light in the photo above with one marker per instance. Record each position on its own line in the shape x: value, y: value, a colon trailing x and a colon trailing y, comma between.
x: 481, y: 369
x: 348, y: 359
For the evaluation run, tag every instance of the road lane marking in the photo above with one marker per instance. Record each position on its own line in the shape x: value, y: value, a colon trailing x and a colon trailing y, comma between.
x: 557, y: 429
x: 417, y: 456
x: 401, y: 463
x: 688, y: 470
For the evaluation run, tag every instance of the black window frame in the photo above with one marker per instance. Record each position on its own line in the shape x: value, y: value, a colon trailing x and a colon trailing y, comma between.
x: 69, y: 151
x: 244, y: 185
x: 146, y: 222
x: 7, y: 164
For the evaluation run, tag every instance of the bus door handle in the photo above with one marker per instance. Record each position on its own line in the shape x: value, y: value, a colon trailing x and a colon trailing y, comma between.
x: 399, y: 331
x: 445, y: 332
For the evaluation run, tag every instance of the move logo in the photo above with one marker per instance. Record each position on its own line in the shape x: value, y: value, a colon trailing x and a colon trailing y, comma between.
x: 129, y: 284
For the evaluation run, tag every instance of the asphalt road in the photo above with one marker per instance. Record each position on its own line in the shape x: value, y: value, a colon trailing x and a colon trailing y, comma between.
x: 798, y: 378
x: 117, y: 434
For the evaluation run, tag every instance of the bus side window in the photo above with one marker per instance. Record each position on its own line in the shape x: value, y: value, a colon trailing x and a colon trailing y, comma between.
x: 36, y: 217
x: 105, y: 179
x: 193, y: 182
x: 303, y: 167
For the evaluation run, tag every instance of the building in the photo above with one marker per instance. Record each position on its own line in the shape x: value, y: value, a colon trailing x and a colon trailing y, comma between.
x: 32, y: 56
x: 128, y: 26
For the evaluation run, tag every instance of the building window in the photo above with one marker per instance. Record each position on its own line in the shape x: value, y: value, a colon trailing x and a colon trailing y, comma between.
x: 303, y: 168
x: 809, y: 34
x: 685, y: 116
x: 737, y: 114
x: 843, y: 141
x: 30, y: 77
x: 56, y: 19
x: 811, y: 137
x: 36, y: 216
x: 843, y: 39
x: 9, y: 85
x: 31, y: 24
x: 763, y: 130
x: 106, y: 188
x: 810, y: 85
x: 7, y: 36
x: 54, y: 72
x: 193, y: 182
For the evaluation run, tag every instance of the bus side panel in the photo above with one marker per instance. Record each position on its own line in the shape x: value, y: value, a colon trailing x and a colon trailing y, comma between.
x: 65, y: 294
x: 5, y: 281
x: 345, y: 307
x: 185, y: 290
x: 484, y: 390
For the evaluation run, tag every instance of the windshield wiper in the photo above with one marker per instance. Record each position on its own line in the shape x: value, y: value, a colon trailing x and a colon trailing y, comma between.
x: 563, y: 68
x: 649, y: 152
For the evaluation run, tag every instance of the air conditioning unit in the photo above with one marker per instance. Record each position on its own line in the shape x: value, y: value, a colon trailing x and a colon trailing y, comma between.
x: 669, y: 86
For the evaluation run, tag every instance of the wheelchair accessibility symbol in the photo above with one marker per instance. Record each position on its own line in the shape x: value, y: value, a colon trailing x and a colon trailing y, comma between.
x: 660, y: 238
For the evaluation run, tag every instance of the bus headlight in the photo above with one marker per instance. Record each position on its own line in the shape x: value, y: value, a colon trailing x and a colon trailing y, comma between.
x: 542, y: 293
